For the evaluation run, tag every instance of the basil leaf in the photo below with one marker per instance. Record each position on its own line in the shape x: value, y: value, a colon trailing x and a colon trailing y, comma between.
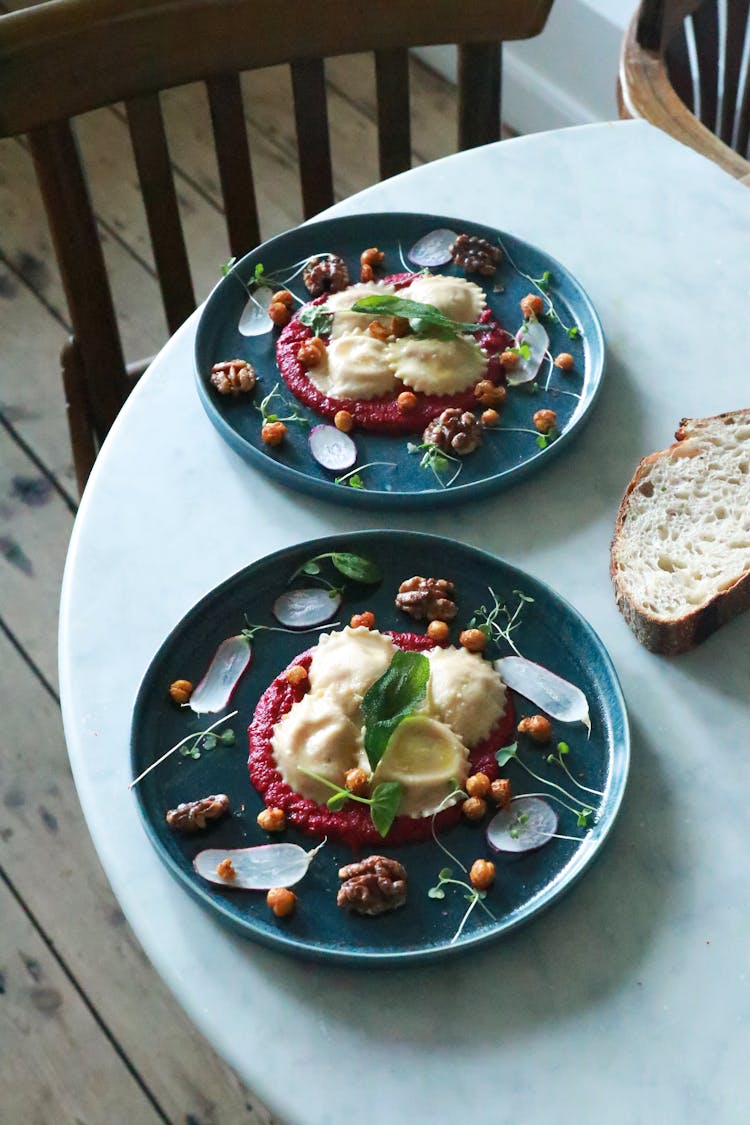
x: 397, y: 693
x: 422, y: 317
x: 384, y: 803
x: 356, y: 567
x: 504, y: 756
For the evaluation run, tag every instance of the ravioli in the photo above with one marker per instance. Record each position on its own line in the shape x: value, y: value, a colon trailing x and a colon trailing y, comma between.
x: 464, y: 692
x: 456, y: 297
x: 437, y: 367
x: 349, y: 662
x: 357, y: 366
x: 317, y: 735
x: 345, y: 320
x: 429, y: 761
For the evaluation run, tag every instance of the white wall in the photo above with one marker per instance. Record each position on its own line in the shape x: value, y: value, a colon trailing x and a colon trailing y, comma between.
x: 567, y: 75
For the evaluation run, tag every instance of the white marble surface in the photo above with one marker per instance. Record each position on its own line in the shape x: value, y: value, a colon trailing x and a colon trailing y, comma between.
x: 627, y: 1002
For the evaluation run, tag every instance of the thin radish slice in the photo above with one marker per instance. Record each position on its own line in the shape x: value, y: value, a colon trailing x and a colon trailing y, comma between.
x: 526, y: 824
x: 554, y: 695
x: 332, y: 449
x: 303, y: 609
x: 215, y: 689
x: 433, y: 249
x: 259, y: 868
x: 254, y: 320
x: 532, y: 333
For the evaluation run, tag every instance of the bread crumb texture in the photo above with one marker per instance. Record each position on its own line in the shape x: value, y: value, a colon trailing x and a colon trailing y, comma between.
x: 683, y: 534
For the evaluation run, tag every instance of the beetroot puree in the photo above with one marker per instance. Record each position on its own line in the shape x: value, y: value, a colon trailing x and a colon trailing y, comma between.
x: 383, y: 414
x: 351, y: 824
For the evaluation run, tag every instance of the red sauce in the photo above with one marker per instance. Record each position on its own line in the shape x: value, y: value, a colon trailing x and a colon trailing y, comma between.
x: 383, y: 414
x: 351, y: 824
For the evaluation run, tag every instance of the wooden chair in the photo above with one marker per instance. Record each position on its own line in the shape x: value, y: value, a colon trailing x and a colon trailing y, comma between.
x: 682, y: 69
x: 63, y: 58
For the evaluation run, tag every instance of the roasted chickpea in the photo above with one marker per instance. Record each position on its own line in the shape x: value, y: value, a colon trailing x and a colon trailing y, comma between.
x: 343, y: 421
x: 509, y: 359
x: 364, y: 620
x: 564, y: 361
x: 490, y: 419
x: 400, y: 326
x: 488, y: 394
x: 474, y: 808
x: 482, y: 874
x: 357, y: 782
x: 406, y: 401
x: 372, y: 256
x: 312, y: 352
x: 439, y: 631
x: 272, y: 820
x: 295, y: 675
x: 501, y: 792
x: 478, y: 785
x: 538, y: 727
x: 545, y: 420
x: 378, y: 330
x: 226, y: 870
x: 283, y: 297
x: 281, y: 901
x: 181, y: 690
x: 532, y: 305
x: 366, y: 272
x: 273, y: 433
x: 279, y: 313
x: 474, y: 640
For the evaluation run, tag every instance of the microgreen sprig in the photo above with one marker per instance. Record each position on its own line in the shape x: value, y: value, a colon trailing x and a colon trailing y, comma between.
x: 498, y: 622
x: 270, y: 416
x: 436, y: 459
x: 383, y: 803
x: 559, y: 759
x: 356, y: 567
x: 543, y: 284
x: 195, y: 739
x: 473, y: 897
x: 354, y: 477
x: 583, y: 811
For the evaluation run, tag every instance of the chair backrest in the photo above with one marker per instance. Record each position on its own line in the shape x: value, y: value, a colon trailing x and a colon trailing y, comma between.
x: 66, y: 57
x: 685, y: 67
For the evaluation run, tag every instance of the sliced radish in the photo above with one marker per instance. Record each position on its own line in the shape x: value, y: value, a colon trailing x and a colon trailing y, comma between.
x: 215, y: 689
x: 303, y: 609
x: 527, y: 823
x: 558, y: 697
x: 433, y: 249
x: 254, y: 319
x: 332, y: 449
x: 533, y: 333
x: 259, y: 868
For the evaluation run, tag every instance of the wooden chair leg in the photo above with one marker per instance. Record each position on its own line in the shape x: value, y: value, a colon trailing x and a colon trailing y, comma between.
x: 79, y: 415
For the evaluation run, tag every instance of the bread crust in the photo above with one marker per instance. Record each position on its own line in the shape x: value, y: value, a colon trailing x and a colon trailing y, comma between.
x: 674, y: 636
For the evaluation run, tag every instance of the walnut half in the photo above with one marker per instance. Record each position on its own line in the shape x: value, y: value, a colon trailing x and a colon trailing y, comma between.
x: 427, y: 599
x: 193, y: 815
x: 373, y: 886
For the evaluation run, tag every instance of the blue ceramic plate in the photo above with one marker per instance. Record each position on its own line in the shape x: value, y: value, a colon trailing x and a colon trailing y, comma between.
x: 551, y: 631
x: 504, y: 458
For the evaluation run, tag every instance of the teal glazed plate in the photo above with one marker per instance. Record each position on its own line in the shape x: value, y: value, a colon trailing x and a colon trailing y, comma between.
x: 550, y: 632
x: 507, y: 454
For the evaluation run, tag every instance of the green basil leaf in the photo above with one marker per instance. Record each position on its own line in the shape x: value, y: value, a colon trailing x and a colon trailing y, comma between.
x: 504, y: 756
x: 397, y: 693
x: 384, y: 804
x: 356, y: 567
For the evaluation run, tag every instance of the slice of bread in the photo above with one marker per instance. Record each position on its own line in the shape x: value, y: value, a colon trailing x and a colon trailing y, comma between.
x: 680, y: 560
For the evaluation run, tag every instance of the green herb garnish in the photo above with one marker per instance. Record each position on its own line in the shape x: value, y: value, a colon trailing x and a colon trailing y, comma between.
x: 425, y: 320
x: 383, y: 803
x: 268, y: 415
x: 497, y: 623
x: 583, y: 811
x: 356, y: 567
x: 318, y: 319
x: 437, y: 460
x: 397, y: 693
x: 473, y: 896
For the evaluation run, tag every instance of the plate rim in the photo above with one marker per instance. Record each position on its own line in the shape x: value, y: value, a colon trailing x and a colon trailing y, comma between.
x: 279, y: 941
x: 381, y: 499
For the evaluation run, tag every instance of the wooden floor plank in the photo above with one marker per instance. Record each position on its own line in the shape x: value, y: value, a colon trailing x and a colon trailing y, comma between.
x: 55, y: 1063
x: 47, y: 852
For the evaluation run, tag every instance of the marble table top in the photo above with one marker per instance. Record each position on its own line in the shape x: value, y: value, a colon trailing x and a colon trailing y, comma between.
x: 629, y: 1000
